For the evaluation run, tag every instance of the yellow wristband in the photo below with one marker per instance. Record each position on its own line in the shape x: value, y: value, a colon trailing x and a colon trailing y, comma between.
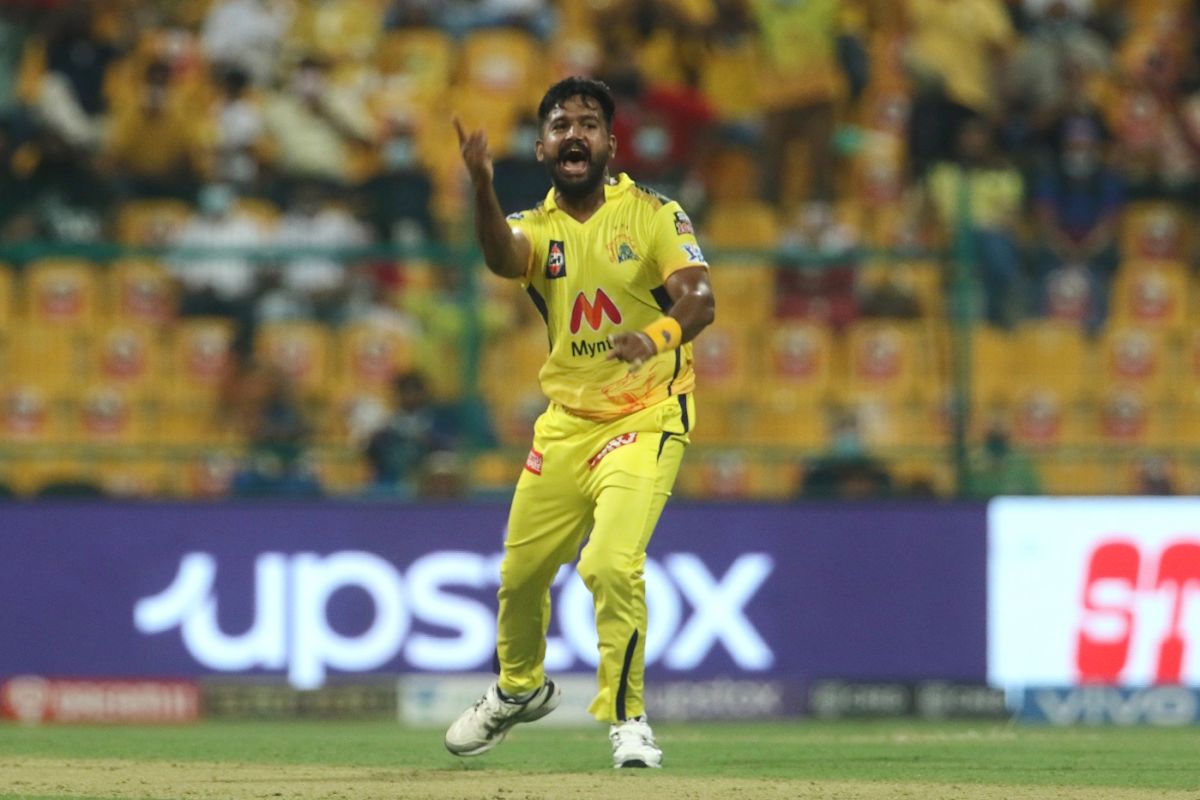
x: 665, y: 333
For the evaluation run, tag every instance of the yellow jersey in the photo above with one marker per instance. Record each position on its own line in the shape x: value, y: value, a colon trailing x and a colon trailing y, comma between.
x: 604, y: 276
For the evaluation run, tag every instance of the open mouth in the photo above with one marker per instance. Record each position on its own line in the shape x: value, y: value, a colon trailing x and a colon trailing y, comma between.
x: 574, y: 161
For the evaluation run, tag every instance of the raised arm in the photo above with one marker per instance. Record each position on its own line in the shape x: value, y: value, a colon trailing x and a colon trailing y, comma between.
x: 505, y: 251
x: 693, y: 309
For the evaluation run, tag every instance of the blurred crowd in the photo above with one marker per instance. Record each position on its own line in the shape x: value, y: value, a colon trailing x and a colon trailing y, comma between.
x: 879, y: 171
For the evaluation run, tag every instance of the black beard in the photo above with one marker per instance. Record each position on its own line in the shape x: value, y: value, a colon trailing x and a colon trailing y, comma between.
x: 577, y: 191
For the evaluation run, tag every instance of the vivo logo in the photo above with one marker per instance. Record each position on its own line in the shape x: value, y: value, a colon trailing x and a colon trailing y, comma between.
x: 1109, y: 705
x: 291, y: 630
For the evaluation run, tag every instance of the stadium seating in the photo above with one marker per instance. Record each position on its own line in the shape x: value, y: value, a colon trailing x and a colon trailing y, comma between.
x: 140, y: 291
x: 1152, y: 294
x: 300, y: 350
x: 62, y: 292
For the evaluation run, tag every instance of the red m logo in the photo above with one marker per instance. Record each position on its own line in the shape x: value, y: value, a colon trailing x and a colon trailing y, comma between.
x: 593, y: 312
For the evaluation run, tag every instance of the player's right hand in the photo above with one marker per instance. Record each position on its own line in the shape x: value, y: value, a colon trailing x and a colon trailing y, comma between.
x: 475, y: 153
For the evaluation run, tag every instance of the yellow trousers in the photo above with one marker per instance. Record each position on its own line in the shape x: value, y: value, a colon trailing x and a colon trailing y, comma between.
x: 606, y: 483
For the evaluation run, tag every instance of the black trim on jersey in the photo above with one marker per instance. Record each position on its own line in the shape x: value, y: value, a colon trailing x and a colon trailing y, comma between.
x: 540, y: 302
x: 633, y: 640
x: 662, y: 298
x: 657, y: 195
x: 687, y: 425
x: 678, y: 366
x: 662, y: 443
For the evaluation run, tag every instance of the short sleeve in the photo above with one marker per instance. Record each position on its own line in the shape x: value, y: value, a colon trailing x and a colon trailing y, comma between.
x: 524, y: 222
x: 673, y: 244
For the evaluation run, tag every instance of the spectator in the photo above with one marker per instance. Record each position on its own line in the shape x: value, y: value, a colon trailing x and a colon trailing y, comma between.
x: 154, y: 148
x: 399, y: 199
x: 825, y: 291
x: 521, y: 182
x: 267, y: 412
x: 223, y: 282
x: 70, y: 97
x: 239, y: 146
x: 247, y: 34
x: 313, y: 285
x: 1077, y: 202
x: 999, y: 469
x: 397, y: 453
x: 847, y: 471
x: 980, y: 196
x: 317, y: 126
x: 800, y: 85
x: 956, y: 49
x: 1052, y: 68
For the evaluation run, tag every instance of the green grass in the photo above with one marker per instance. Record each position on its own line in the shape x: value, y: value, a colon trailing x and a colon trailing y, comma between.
x: 969, y: 753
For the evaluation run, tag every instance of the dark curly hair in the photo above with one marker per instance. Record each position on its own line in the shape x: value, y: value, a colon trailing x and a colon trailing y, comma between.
x: 578, y: 86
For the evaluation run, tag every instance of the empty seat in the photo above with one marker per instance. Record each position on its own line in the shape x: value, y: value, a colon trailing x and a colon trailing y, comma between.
x: 62, y: 291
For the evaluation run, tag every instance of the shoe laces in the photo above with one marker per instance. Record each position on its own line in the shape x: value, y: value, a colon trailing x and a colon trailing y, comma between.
x: 636, y: 729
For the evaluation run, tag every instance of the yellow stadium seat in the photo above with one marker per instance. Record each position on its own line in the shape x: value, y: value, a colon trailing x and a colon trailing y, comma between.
x: 799, y: 362
x: 1073, y: 474
x: 722, y: 361
x: 888, y: 361
x: 513, y: 417
x: 262, y: 211
x: 1189, y: 367
x: 1137, y: 357
x: 345, y: 29
x: 128, y: 356
x: 782, y: 422
x: 494, y: 471
x: 510, y: 363
x: 62, y: 291
x: 371, y: 355
x: 151, y: 222
x: 1044, y: 419
x: 7, y: 297
x: 1155, y: 232
x: 993, y: 357
x: 1053, y: 354
x: 340, y: 472
x: 30, y: 414
x: 105, y: 414
x: 501, y: 61
x: 724, y: 475
x: 141, y: 291
x: 201, y: 357
x: 719, y: 422
x: 743, y: 289
x: 1127, y: 416
x: 730, y: 79
x: 301, y: 350
x: 741, y: 224
x: 133, y: 478
x: 423, y: 55
x: 44, y: 354
x: 1151, y: 294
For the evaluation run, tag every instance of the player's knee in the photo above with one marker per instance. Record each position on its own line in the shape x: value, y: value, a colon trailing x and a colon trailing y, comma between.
x: 603, y: 572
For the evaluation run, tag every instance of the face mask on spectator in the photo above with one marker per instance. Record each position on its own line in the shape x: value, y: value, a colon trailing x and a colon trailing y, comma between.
x: 399, y: 153
x: 652, y: 143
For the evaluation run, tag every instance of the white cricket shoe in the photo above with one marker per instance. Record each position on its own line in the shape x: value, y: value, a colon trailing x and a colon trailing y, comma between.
x: 633, y: 744
x: 485, y: 724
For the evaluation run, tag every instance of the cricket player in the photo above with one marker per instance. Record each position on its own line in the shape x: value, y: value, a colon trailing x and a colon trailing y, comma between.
x: 615, y: 270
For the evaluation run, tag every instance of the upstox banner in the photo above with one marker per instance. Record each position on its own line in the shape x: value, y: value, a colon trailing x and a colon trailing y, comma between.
x: 308, y: 591
x: 1094, y: 591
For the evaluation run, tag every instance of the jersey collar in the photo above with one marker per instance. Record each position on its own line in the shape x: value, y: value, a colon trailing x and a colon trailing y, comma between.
x: 611, y: 191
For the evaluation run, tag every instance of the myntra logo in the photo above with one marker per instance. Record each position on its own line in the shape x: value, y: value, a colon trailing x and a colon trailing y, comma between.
x: 593, y: 311
x: 1135, y: 606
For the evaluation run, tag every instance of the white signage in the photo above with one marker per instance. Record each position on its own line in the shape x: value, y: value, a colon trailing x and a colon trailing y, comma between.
x: 291, y: 629
x: 1093, y: 591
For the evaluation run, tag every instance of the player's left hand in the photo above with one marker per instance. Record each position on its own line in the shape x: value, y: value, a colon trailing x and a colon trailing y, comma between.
x: 632, y: 347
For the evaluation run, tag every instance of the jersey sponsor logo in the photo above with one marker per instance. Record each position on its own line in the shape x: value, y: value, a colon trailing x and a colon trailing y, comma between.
x: 593, y: 311
x: 694, y: 254
x: 533, y: 462
x: 589, y: 349
x: 613, y: 444
x: 556, y: 260
x: 683, y: 224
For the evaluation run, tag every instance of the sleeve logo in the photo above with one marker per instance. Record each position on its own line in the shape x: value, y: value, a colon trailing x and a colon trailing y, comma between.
x: 533, y: 462
x: 556, y: 260
x: 683, y: 225
x: 693, y: 252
